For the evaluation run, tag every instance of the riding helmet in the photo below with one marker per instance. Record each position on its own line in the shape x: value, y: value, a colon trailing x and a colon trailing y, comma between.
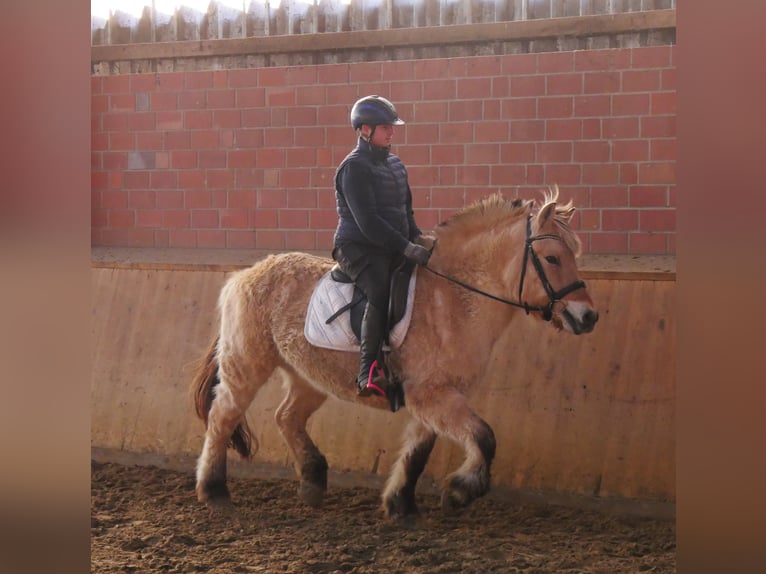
x: 374, y: 111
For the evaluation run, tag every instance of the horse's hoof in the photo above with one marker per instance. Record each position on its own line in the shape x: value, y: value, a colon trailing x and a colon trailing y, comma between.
x: 453, y: 500
x: 311, y: 494
x: 220, y: 506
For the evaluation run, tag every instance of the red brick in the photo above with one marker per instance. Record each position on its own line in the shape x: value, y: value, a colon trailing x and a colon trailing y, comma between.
x: 301, y: 75
x: 478, y: 153
x: 197, y: 199
x: 555, y: 107
x: 241, y: 158
x: 183, y: 159
x: 198, y: 80
x: 448, y: 198
x: 591, y: 128
x: 233, y: 218
x: 204, y: 218
x: 519, y: 108
x: 221, y: 78
x: 323, y: 219
x: 651, y: 57
x: 657, y: 219
x: 170, y: 81
x: 519, y: 64
x: 507, y: 175
x: 563, y: 174
x: 491, y: 132
x: 114, y: 199
x: 245, y: 78
x: 365, y: 72
x: 302, y: 116
x: 219, y: 178
x: 620, y: 128
x: 272, y: 198
x: 608, y: 243
x: 300, y: 240
x: 114, y: 160
x: 511, y: 153
x: 149, y: 141
x: 191, y: 100
x: 172, y: 218
x: 302, y: 157
x: 191, y: 179
x: 295, y: 178
x: 648, y: 243
x: 99, y: 104
x: 439, y: 89
x: 405, y: 92
x: 555, y: 62
x: 602, y: 83
x: 641, y: 81
x: 527, y: 86
x: 115, y: 84
x: 600, y: 60
x: 470, y: 110
x: 589, y: 219
x: 473, y: 174
x: 142, y: 199
x: 663, y: 103
x: 265, y: 239
x: 96, y: 84
x: 293, y: 218
x: 227, y: 119
x: 527, y: 130
x: 161, y: 238
x: 122, y: 103
x: 563, y: 129
x: 630, y: 150
x: 122, y: 141
x: 164, y: 180
x: 139, y: 121
x: 121, y: 218
x: 332, y: 74
x: 630, y: 104
x: 148, y: 218
x: 264, y: 219
x: 473, y: 88
x: 198, y: 119
x: 211, y: 238
x: 619, y: 219
x: 668, y: 79
x: 270, y: 158
x: 169, y: 120
x: 554, y: 152
x: 591, y: 151
x: 183, y: 238
x: 609, y: 196
x: 211, y: 158
x: 301, y: 198
x: 422, y: 134
x: 558, y: 84
x: 456, y: 133
x: 648, y: 196
x: 163, y: 101
x: 596, y: 105
x: 501, y: 87
x: 170, y: 199
x: 658, y: 127
x: 628, y: 173
x: 127, y: 237
x: 657, y: 172
x: 600, y: 174
x: 662, y: 149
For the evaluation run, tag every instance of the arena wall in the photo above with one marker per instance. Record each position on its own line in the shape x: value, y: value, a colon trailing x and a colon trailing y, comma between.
x: 590, y: 417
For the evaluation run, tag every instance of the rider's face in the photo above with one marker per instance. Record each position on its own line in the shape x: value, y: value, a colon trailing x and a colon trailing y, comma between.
x: 382, y: 136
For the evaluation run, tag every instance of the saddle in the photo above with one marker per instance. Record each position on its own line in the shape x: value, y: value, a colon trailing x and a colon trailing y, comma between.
x: 335, y: 311
x: 397, y: 302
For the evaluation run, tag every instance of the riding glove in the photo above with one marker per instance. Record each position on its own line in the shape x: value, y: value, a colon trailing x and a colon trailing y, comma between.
x: 417, y: 253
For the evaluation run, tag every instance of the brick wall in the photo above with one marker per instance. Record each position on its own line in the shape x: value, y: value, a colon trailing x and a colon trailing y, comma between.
x: 245, y: 158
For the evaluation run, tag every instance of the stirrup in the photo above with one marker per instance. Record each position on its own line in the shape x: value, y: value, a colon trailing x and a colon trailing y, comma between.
x: 377, y: 383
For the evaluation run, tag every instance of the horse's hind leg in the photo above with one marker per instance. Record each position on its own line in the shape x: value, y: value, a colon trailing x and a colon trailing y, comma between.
x: 301, y: 402
x: 452, y: 417
x: 240, y: 379
x: 399, y: 494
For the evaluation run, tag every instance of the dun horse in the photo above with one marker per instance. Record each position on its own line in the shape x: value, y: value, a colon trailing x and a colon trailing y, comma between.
x: 493, y: 261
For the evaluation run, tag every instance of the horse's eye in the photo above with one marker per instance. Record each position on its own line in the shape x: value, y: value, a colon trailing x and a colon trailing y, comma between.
x: 552, y: 259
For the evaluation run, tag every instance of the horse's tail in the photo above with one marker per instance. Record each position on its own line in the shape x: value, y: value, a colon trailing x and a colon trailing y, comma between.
x: 203, y: 390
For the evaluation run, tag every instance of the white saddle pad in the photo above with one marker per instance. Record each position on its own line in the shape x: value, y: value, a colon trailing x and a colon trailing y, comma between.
x: 327, y: 298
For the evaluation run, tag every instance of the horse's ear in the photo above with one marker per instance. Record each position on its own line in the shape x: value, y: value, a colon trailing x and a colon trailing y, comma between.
x: 546, y: 212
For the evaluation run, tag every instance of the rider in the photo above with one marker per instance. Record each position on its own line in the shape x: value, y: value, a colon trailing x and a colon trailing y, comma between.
x: 376, y: 225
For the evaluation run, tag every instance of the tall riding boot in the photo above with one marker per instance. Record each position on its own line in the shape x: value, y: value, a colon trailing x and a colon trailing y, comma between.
x: 367, y: 382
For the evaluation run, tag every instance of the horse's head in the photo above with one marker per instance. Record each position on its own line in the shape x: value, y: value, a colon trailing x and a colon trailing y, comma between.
x: 548, y: 277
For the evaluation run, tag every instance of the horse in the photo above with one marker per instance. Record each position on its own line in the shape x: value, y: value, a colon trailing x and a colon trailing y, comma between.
x: 492, y: 261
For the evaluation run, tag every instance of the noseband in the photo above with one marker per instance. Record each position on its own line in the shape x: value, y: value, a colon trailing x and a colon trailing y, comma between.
x: 553, y: 296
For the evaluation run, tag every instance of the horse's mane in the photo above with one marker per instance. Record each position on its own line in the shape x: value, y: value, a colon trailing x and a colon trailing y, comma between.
x: 496, y: 210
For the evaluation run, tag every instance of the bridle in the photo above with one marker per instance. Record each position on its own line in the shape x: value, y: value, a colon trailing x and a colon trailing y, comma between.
x: 553, y: 296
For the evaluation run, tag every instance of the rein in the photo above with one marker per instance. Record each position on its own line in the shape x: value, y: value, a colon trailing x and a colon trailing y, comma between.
x: 553, y: 296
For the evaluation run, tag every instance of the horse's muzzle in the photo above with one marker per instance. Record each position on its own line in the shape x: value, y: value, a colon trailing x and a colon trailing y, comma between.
x: 584, y: 324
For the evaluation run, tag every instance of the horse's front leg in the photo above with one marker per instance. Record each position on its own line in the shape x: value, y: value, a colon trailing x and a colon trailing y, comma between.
x: 450, y: 415
x: 301, y: 402
x: 399, y: 493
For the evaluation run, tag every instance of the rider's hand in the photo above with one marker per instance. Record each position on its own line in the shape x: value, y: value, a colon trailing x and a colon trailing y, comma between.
x: 417, y: 253
x: 427, y: 241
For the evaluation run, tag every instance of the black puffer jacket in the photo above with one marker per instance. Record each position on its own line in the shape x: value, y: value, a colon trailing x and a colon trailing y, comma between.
x: 374, y: 200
